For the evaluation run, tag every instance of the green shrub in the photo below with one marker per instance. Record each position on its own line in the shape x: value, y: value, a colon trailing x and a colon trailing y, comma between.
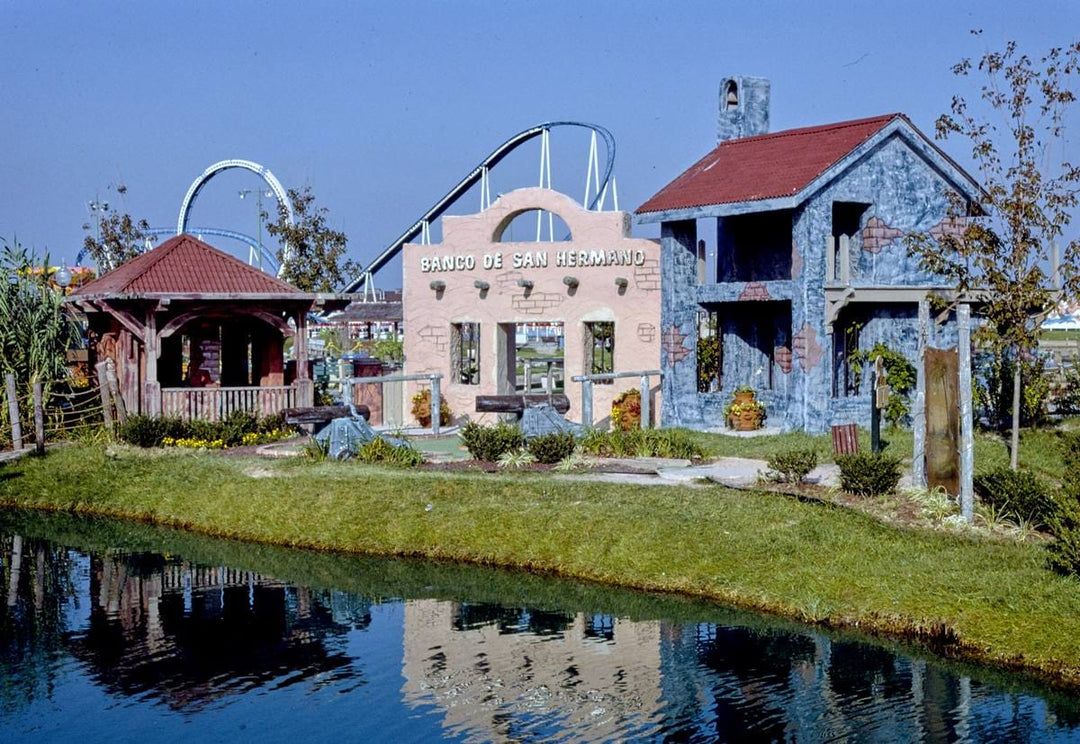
x: 1017, y: 492
x: 552, y: 448
x: 489, y: 443
x: 641, y: 443
x: 794, y: 465
x: 1070, y: 454
x: 149, y: 431
x: 869, y: 473
x: 231, y: 431
x: 379, y: 450
x: 1066, y: 395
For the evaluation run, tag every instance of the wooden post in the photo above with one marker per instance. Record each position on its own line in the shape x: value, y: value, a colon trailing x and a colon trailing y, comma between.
x: 39, y: 419
x: 645, y: 421
x: 550, y: 382
x: 436, y: 405
x: 13, y: 412
x: 918, y: 459
x: 106, y: 399
x: 114, y: 392
x: 586, y: 403
x: 830, y: 259
x: 967, y: 423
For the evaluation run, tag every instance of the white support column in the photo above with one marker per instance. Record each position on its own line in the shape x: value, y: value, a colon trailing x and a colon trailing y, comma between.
x: 967, y: 423
x: 918, y: 415
x: 845, y: 260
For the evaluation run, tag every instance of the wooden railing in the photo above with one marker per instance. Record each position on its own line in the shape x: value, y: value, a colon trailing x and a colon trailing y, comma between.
x: 215, y: 403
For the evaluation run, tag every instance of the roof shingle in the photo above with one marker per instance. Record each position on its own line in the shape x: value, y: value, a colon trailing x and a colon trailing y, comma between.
x: 185, y: 264
x: 767, y: 166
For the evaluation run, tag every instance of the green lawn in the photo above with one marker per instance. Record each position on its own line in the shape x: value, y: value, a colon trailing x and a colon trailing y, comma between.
x: 1039, y: 450
x: 990, y: 601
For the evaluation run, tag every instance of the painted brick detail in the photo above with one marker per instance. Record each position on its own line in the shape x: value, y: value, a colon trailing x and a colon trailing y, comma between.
x: 646, y: 332
x: 754, y: 291
x: 647, y: 276
x: 876, y: 235
x: 806, y: 348
x: 435, y: 336
x: 672, y: 344
x: 782, y: 354
x: 949, y: 226
x: 536, y: 303
x: 508, y: 279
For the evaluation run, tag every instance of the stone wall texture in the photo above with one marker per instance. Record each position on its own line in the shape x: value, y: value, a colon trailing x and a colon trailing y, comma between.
x: 905, y: 193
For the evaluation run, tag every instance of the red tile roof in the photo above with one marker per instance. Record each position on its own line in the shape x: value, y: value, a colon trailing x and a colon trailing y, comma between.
x: 185, y: 264
x: 764, y: 167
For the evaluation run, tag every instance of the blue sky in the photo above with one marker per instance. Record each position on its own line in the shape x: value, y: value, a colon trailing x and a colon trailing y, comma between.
x: 382, y: 107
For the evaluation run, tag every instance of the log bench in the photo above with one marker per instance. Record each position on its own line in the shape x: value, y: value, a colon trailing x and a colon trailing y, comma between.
x: 316, y: 417
x: 518, y: 403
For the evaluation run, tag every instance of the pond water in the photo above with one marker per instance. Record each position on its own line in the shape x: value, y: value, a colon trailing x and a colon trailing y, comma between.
x: 118, y: 632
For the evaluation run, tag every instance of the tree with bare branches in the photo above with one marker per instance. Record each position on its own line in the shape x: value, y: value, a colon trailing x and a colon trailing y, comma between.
x: 1005, y: 249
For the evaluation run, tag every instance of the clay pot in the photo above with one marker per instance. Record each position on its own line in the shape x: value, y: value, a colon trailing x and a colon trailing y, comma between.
x: 744, y: 398
x: 746, y: 421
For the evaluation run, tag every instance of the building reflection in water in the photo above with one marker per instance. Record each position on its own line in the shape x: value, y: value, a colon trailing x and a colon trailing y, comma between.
x: 158, y: 630
x: 491, y: 668
x: 190, y: 635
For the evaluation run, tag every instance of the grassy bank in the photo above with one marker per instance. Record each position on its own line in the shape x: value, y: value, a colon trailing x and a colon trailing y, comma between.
x: 1040, y: 450
x: 989, y: 601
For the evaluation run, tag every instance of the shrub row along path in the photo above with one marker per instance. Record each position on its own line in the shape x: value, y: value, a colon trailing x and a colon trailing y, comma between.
x: 987, y: 600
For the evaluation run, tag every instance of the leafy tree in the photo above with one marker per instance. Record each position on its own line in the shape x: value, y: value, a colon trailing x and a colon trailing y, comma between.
x: 312, y: 256
x: 114, y: 239
x: 1000, y: 249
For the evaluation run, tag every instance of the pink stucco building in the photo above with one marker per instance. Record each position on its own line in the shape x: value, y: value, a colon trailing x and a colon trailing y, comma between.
x: 467, y: 299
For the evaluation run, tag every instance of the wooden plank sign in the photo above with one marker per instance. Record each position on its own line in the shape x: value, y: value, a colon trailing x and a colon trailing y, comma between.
x: 942, y: 419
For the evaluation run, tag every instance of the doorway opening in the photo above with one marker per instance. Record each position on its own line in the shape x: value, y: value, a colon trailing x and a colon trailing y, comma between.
x: 538, y: 358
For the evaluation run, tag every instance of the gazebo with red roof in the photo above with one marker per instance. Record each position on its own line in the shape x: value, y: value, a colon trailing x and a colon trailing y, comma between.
x: 197, y: 333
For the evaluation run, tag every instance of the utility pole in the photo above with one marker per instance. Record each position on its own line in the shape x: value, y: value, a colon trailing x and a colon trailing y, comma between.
x: 259, y: 193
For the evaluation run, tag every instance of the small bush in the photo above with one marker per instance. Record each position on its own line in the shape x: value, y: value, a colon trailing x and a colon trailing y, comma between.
x: 381, y: 451
x: 236, y: 425
x: 150, y: 431
x: 1018, y: 493
x: 869, y: 473
x: 641, y: 443
x: 626, y: 410
x: 1070, y: 454
x: 239, y: 428
x: 489, y: 443
x: 552, y: 448
x: 794, y: 465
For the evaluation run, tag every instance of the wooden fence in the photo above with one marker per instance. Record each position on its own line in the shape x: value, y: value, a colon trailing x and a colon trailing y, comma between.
x: 216, y: 403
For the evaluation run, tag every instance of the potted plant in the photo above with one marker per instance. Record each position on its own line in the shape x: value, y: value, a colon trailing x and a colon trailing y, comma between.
x: 421, y: 409
x: 626, y: 410
x: 745, y: 412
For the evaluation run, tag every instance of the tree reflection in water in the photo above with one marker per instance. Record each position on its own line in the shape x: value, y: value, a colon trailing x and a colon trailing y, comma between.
x: 478, y: 654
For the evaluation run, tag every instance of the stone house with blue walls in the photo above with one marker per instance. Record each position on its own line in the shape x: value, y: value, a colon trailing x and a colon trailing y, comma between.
x: 809, y: 262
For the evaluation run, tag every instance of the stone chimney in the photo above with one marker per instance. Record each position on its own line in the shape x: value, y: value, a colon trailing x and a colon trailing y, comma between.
x: 744, y: 108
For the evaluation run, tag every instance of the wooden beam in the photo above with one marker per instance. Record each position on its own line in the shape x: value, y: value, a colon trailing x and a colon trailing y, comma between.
x: 518, y: 403
x: 129, y: 321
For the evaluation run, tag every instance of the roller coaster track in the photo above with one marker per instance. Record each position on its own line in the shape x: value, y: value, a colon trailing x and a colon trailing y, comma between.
x: 269, y: 261
x: 480, y: 174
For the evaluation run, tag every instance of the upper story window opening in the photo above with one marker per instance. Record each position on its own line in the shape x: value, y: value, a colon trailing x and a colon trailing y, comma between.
x: 731, y: 96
